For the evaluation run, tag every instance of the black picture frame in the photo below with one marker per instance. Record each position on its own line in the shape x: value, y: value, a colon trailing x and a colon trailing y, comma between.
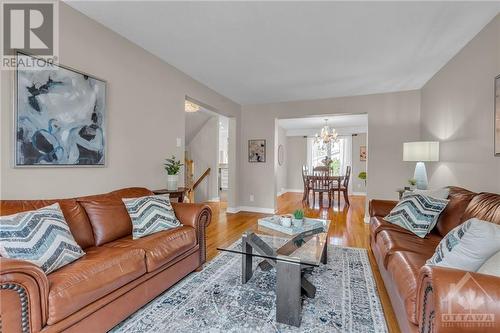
x: 257, y: 151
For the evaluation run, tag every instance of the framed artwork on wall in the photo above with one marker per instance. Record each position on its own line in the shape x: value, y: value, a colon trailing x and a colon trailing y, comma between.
x: 60, y: 116
x: 362, y: 153
x: 497, y: 116
x: 257, y: 151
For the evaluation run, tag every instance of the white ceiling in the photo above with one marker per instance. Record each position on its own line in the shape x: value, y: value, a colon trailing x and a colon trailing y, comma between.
x: 256, y: 52
x: 319, y: 121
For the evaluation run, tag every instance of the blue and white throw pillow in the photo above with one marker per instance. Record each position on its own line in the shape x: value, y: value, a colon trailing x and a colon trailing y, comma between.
x: 150, y: 214
x: 417, y: 213
x: 41, y: 237
x: 467, y: 246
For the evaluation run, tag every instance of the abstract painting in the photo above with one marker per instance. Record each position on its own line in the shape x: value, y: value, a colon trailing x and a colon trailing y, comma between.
x: 362, y: 153
x: 257, y: 151
x: 60, y: 117
x: 497, y: 116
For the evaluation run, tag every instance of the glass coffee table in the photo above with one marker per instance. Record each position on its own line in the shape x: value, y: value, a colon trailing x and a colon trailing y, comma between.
x: 291, y: 255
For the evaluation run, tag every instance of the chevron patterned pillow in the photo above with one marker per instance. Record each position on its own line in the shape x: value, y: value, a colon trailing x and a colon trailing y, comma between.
x: 417, y: 213
x: 150, y: 214
x: 41, y: 237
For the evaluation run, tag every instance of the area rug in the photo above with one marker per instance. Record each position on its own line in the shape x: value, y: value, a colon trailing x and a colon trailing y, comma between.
x: 214, y: 300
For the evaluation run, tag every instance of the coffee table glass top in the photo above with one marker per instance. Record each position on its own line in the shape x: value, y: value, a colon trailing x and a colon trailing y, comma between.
x: 306, y: 245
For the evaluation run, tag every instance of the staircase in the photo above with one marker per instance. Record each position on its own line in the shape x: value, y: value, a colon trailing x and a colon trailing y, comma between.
x: 191, y: 184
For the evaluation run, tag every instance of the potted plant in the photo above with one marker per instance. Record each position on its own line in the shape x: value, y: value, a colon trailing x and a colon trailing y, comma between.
x: 413, y: 183
x: 362, y: 176
x: 298, y: 217
x: 173, y: 168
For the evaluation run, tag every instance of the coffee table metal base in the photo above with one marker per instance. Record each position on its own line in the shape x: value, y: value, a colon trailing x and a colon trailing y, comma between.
x: 290, y: 280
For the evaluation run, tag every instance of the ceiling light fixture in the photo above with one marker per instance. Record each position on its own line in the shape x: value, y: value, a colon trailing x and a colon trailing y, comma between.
x: 326, y: 136
x: 191, y: 107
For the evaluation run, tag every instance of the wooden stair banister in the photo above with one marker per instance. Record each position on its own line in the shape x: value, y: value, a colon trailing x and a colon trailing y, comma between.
x: 191, y: 189
x: 203, y: 176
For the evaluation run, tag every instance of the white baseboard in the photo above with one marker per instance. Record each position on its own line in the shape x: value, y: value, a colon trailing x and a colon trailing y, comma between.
x: 215, y: 199
x: 294, y: 190
x: 234, y: 210
x: 358, y: 193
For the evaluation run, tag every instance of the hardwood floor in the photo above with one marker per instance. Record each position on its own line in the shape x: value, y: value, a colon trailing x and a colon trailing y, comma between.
x: 347, y: 229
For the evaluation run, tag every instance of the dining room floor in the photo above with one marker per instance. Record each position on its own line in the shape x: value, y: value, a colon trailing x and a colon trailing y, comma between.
x: 347, y: 228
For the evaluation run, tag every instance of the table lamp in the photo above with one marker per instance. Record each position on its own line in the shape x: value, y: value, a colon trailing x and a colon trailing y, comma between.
x: 420, y: 152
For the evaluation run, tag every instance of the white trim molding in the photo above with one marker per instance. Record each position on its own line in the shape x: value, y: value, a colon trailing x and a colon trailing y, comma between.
x: 234, y: 210
x: 358, y: 193
x: 294, y: 190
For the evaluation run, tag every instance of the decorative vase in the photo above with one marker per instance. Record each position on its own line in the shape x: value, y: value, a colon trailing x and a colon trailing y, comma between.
x: 172, y: 182
x: 286, y: 221
x: 297, y: 222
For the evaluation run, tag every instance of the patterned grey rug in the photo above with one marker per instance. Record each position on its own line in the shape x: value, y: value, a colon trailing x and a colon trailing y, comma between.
x: 214, y: 300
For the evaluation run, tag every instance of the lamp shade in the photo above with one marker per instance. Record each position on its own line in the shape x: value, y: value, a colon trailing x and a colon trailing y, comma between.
x: 421, y: 151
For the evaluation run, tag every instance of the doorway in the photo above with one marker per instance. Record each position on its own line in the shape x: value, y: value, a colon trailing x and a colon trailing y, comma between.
x: 297, y: 137
x: 209, y: 154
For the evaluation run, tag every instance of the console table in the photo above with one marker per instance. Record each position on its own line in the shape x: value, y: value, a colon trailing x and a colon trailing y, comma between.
x: 179, y: 193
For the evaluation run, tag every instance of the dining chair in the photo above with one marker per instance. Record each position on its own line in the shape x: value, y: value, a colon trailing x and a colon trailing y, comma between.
x: 307, y: 183
x: 322, y: 183
x: 344, y: 185
x: 321, y: 168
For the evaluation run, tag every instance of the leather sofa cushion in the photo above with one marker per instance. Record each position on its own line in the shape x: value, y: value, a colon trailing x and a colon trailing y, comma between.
x: 452, y: 214
x: 378, y: 224
x: 101, y: 271
x: 404, y: 269
x: 484, y: 206
x: 74, y: 214
x: 160, y: 247
x: 108, y: 215
x: 390, y: 241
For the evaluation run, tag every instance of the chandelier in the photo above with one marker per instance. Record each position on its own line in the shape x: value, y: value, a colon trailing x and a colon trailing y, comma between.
x: 326, y: 135
x: 190, y: 106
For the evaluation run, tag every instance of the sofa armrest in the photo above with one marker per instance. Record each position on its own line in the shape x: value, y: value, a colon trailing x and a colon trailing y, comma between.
x: 381, y: 207
x: 23, y: 296
x: 452, y: 300
x: 197, y: 216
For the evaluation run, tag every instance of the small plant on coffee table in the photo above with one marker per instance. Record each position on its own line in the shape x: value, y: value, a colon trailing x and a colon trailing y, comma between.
x: 298, y: 214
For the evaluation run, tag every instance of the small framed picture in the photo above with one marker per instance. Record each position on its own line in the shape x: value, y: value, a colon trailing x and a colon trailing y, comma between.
x: 362, y: 153
x: 257, y: 151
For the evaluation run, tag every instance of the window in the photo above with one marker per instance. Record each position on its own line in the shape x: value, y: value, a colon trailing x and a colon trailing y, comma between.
x: 338, y: 152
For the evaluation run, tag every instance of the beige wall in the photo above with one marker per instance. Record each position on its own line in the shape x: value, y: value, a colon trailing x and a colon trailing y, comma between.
x: 458, y: 110
x: 393, y: 118
x: 296, y: 158
x: 145, y: 102
x: 358, y: 166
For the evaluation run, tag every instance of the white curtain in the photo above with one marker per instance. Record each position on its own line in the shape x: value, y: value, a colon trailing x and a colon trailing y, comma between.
x: 346, y: 155
x: 310, y: 142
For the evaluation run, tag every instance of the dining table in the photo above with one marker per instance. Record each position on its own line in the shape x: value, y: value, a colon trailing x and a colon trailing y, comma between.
x: 323, y: 183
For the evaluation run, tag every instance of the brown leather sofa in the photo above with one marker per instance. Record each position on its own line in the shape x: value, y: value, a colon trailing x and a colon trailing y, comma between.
x: 420, y: 294
x: 116, y: 276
